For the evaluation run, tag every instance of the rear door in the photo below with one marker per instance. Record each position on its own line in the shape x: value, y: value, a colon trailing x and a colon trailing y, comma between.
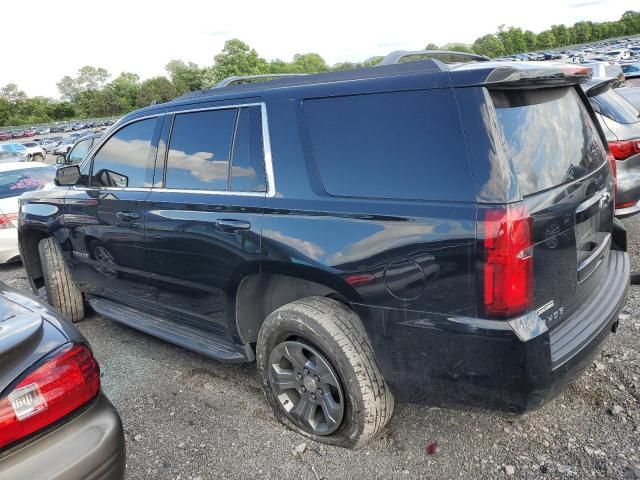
x: 559, y: 168
x: 203, y: 223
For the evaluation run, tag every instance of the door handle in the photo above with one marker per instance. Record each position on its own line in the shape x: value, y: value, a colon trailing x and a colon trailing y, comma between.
x: 127, y: 216
x: 231, y: 225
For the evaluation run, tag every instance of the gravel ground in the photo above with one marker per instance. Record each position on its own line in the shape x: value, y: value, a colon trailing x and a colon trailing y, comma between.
x: 188, y: 417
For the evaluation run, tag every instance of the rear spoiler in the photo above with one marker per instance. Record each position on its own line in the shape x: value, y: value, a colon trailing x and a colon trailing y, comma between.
x: 514, y: 76
x: 536, y: 77
x: 598, y: 86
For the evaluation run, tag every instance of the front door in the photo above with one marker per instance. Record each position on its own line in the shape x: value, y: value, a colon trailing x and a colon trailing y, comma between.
x: 203, y: 226
x: 104, y: 215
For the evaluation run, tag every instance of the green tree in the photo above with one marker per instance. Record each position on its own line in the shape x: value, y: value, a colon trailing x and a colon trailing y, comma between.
x: 582, y: 32
x: 489, y: 45
x: 431, y: 46
x: 12, y: 94
x: 238, y: 58
x: 546, y: 40
x: 188, y: 77
x: 530, y: 40
x: 157, y: 89
x: 88, y: 78
x: 308, y: 63
x: 125, y: 88
x: 458, y: 47
x: 561, y: 34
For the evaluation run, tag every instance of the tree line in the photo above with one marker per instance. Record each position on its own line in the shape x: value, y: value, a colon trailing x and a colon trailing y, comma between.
x: 92, y: 93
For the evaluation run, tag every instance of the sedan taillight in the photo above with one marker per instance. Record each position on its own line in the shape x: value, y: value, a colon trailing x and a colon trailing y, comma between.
x: 64, y: 382
x: 625, y: 149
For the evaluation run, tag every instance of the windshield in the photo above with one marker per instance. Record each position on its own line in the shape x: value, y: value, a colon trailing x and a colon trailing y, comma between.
x: 613, y: 106
x: 549, y: 137
x: 14, y: 183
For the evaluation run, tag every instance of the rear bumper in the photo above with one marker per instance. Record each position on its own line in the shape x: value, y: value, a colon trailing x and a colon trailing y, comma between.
x: 513, y: 367
x: 89, y: 446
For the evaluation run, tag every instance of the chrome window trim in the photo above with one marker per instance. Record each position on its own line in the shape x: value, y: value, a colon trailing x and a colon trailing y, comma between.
x: 266, y: 152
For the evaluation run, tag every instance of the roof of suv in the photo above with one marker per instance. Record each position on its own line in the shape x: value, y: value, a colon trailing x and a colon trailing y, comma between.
x: 462, y: 74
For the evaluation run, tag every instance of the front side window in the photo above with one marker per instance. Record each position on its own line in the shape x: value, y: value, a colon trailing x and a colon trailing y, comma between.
x: 200, y: 149
x: 126, y: 159
x: 78, y: 152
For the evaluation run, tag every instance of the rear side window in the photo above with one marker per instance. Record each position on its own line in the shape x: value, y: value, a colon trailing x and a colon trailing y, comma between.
x: 399, y: 145
x: 550, y: 138
x: 200, y: 149
x: 615, y: 107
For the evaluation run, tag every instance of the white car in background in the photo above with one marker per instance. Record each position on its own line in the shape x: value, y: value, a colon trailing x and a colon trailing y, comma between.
x: 17, y: 178
x: 620, y: 54
x: 36, y: 152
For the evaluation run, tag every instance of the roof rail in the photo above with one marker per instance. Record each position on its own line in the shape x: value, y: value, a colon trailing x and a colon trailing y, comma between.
x: 247, y: 78
x: 439, y: 55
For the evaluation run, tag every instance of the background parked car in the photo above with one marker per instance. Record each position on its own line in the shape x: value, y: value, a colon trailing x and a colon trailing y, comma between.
x: 620, y: 122
x: 16, y: 179
x: 17, y: 149
x: 52, y: 410
x: 5, y: 136
x: 35, y: 151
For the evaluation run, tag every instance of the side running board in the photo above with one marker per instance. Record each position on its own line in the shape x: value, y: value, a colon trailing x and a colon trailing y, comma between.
x: 173, y: 332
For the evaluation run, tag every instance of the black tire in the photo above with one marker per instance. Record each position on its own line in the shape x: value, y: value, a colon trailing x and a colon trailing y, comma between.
x: 37, y: 158
x: 62, y: 292
x: 336, y: 333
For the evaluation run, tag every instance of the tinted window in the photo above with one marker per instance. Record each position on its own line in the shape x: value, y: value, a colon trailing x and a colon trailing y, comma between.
x: 16, y: 182
x: 199, y: 150
x: 549, y: 136
x: 404, y: 145
x: 80, y: 151
x: 247, y: 166
x: 125, y: 159
x: 612, y: 105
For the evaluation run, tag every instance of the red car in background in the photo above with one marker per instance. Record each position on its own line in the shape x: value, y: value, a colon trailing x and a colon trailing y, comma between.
x: 30, y: 132
x: 5, y: 136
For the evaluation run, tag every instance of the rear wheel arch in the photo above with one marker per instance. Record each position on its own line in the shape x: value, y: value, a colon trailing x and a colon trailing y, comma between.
x: 29, y: 241
x: 259, y: 295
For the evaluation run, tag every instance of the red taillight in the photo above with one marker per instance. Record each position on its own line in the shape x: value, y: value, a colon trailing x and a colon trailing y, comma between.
x: 6, y: 220
x: 624, y: 150
x: 508, y: 261
x: 62, y: 384
x: 614, y: 173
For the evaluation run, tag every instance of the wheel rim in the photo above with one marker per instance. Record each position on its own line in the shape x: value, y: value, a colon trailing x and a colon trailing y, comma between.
x: 307, y: 387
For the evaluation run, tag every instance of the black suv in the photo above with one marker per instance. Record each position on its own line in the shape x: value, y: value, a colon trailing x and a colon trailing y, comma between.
x: 434, y: 233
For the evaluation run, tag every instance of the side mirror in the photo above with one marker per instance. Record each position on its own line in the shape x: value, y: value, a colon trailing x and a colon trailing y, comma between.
x: 67, y: 176
x: 61, y: 159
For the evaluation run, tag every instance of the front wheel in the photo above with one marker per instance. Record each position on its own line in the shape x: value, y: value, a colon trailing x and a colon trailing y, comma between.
x: 62, y: 292
x: 319, y: 373
x: 37, y: 158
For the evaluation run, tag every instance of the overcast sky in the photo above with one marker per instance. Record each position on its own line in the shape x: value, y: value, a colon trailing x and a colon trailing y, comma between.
x: 43, y: 40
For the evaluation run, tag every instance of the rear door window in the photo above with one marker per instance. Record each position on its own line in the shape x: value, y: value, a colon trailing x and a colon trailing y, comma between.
x: 549, y: 137
x: 200, y: 149
x: 398, y: 145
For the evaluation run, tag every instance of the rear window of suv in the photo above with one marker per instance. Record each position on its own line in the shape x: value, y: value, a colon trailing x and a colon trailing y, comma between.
x: 397, y: 145
x: 615, y: 107
x: 550, y: 138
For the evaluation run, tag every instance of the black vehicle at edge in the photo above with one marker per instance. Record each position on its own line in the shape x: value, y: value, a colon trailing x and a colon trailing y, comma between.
x: 55, y: 422
x: 437, y: 234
